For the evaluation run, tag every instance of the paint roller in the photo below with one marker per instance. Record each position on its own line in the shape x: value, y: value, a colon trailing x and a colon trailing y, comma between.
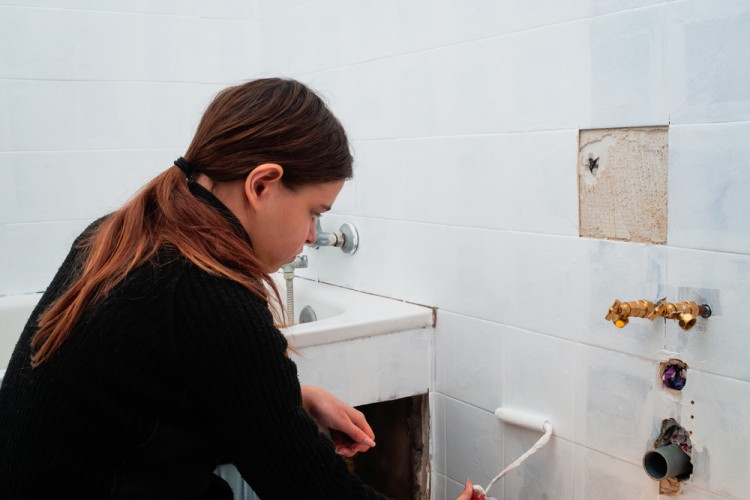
x: 521, y: 419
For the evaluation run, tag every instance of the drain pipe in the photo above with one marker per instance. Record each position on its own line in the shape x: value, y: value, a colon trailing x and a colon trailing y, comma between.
x: 667, y: 461
x: 300, y: 262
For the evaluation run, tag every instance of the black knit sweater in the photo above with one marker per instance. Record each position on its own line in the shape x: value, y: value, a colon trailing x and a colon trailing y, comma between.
x: 173, y: 373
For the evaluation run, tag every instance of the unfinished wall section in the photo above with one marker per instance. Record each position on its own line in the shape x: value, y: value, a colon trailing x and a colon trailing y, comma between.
x: 622, y: 183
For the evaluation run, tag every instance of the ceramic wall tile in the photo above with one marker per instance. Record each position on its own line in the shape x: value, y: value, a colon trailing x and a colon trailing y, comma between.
x: 395, y: 28
x: 708, y: 80
x: 708, y: 179
x: 599, y: 475
x: 618, y: 404
x: 228, y: 9
x: 717, y: 344
x: 469, y: 360
x: 542, y: 270
x: 452, y: 268
x: 157, y: 49
x: 437, y: 486
x: 30, y: 254
x: 716, y: 409
x: 504, y: 181
x: 474, y: 443
x: 437, y: 432
x: 628, y: 70
x: 51, y: 186
x: 371, y: 369
x: 546, y: 474
x: 540, y: 378
x: 464, y: 89
x: 628, y: 272
x: 59, y: 115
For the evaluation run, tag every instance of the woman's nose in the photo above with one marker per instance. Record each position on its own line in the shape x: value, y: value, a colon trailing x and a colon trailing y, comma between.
x: 311, y: 233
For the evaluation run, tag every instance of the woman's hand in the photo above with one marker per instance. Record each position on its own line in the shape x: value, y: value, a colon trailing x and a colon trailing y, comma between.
x: 349, y: 429
x: 468, y: 491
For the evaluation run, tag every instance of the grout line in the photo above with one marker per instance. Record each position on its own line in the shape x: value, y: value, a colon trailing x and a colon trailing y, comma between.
x: 84, y: 80
x: 115, y: 150
x: 125, y: 12
x: 452, y: 136
x: 481, y: 39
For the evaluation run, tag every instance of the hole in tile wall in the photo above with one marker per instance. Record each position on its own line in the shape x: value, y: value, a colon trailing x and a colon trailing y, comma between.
x: 399, y: 465
x: 673, y: 374
x: 672, y: 438
x: 622, y: 183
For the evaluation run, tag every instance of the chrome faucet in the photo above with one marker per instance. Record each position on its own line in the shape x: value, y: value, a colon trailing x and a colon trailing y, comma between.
x: 346, y: 238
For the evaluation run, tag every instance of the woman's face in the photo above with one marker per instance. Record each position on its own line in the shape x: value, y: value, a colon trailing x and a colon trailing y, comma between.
x: 281, y: 220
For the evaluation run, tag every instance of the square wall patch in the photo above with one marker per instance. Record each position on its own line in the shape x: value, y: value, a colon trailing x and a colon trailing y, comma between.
x: 622, y: 183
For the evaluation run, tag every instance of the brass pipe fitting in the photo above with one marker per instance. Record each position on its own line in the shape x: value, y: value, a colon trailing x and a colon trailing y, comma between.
x: 621, y: 311
x: 685, y: 313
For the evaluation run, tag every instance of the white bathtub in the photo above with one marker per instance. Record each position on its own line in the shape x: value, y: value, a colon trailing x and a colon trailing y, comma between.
x: 343, y: 315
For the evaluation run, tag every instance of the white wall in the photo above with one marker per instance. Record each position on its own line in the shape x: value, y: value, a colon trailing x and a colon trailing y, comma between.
x: 464, y: 117
x: 97, y: 96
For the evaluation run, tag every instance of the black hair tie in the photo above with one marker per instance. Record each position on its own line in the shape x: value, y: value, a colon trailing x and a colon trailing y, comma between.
x: 186, y: 167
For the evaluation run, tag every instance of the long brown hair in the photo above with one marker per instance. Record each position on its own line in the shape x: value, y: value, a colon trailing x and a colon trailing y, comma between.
x: 263, y: 121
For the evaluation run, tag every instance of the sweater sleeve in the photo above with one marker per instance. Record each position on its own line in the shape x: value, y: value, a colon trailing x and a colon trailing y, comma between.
x: 237, y: 369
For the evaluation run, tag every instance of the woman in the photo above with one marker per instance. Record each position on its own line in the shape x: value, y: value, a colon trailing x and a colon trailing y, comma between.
x: 153, y: 356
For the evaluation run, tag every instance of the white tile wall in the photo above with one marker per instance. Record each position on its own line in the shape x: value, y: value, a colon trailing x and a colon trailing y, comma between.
x: 464, y: 118
x: 717, y: 344
x: 598, y: 475
x: 708, y: 61
x: 708, y: 179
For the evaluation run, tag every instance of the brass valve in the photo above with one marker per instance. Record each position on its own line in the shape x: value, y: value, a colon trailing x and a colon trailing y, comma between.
x: 621, y: 311
x: 685, y: 313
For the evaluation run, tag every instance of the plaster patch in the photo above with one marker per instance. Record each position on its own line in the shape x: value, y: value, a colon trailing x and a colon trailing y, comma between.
x: 622, y: 182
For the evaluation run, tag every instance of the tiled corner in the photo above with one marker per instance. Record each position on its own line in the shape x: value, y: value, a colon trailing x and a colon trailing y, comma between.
x: 437, y: 432
x: 370, y: 369
x: 469, y: 359
x: 599, y: 475
x: 457, y: 269
x: 708, y: 179
x: 474, y: 443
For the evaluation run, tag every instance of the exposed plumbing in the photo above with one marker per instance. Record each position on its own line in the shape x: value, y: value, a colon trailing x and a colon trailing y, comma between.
x: 300, y: 262
x: 346, y: 238
x: 685, y: 313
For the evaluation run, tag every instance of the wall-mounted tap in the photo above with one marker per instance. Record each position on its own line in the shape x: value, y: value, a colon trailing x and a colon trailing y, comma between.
x: 621, y: 311
x: 685, y: 313
x: 346, y: 238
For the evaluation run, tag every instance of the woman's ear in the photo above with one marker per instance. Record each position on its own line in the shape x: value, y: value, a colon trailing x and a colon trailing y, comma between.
x: 261, y: 181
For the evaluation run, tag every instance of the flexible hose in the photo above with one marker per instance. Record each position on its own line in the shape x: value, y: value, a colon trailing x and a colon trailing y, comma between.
x: 539, y: 444
x: 290, y: 300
